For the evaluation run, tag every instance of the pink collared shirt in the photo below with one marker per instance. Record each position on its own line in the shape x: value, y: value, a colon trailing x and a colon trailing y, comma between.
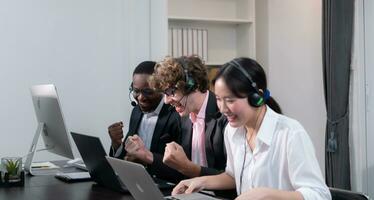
x: 198, y: 154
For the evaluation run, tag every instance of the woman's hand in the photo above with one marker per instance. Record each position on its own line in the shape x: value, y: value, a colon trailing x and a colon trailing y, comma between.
x: 189, y: 186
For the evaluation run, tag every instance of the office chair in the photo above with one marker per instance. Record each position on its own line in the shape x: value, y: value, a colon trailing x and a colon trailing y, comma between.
x: 340, y: 194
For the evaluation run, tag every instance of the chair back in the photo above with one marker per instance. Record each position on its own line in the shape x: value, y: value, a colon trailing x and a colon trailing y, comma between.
x: 339, y: 194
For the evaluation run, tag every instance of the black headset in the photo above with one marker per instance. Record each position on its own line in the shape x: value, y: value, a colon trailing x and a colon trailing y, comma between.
x: 132, y: 100
x: 255, y: 98
x: 190, y: 82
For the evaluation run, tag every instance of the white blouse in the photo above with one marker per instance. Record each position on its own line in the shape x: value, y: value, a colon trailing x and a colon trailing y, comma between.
x: 284, y: 158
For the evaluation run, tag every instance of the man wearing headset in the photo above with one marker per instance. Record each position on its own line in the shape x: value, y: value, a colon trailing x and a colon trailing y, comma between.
x: 152, y: 125
x: 185, y: 85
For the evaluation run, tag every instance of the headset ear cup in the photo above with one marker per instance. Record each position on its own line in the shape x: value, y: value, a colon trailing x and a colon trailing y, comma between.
x: 255, y: 100
x: 190, y: 85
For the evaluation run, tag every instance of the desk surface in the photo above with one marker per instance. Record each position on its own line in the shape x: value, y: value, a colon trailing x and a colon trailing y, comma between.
x: 48, y: 187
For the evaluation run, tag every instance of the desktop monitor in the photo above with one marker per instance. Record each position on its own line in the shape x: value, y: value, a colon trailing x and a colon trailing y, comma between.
x: 51, y: 124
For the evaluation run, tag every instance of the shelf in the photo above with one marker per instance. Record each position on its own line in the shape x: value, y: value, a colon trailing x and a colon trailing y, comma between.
x: 230, y: 27
x: 213, y: 64
x: 210, y: 20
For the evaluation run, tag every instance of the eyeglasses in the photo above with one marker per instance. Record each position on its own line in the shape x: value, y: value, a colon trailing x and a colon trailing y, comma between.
x: 147, y: 92
x: 170, y: 91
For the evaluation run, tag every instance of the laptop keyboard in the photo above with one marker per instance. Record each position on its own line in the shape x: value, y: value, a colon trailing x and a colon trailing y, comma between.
x: 193, y: 196
x: 186, y: 198
x: 171, y: 198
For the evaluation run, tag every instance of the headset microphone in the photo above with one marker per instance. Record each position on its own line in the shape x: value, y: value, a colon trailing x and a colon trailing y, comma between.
x: 170, y: 108
x: 133, y: 103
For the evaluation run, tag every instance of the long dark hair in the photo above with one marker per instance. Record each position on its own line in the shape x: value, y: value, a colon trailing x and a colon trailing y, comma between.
x: 241, y: 86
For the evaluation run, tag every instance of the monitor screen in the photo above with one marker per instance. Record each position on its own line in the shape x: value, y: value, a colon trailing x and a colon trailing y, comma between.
x: 48, y: 111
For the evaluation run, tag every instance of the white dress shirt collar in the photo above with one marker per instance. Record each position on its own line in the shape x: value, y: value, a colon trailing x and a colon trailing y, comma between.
x: 155, y: 111
x: 266, y: 130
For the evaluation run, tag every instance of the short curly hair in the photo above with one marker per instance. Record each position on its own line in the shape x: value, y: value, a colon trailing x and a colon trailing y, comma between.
x: 171, y: 72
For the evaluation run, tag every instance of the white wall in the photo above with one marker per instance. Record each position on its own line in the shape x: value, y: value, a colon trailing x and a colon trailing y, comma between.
x: 369, y: 71
x: 87, y: 48
x: 357, y: 132
x: 158, y: 29
x: 362, y: 100
x: 262, y: 33
x: 295, y: 64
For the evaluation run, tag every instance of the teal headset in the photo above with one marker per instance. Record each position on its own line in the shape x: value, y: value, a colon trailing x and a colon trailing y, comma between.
x: 190, y: 85
x: 255, y: 98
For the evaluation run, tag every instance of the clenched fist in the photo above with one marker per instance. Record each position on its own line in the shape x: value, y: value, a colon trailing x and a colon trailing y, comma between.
x: 116, y: 134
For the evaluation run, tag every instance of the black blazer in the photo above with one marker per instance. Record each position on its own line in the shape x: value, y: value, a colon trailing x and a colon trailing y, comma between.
x: 167, y: 130
x: 214, y: 145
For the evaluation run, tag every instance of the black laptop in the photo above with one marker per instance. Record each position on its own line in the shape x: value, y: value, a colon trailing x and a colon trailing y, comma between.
x: 93, y: 156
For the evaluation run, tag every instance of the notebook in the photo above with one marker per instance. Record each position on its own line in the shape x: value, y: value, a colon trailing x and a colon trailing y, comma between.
x: 141, y: 185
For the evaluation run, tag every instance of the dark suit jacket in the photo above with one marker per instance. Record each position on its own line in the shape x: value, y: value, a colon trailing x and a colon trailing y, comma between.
x: 214, y: 144
x: 167, y: 130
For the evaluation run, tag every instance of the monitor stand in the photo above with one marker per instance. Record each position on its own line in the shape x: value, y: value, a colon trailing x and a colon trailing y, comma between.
x: 30, y: 155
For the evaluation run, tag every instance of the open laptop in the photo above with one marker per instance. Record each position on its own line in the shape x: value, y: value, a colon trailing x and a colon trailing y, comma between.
x: 141, y: 185
x: 93, y: 155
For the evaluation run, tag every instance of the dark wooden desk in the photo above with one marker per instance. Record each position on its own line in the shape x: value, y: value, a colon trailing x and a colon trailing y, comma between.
x: 48, y: 187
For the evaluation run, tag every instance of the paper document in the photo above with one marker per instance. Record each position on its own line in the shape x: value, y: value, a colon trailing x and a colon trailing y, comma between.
x: 43, y: 165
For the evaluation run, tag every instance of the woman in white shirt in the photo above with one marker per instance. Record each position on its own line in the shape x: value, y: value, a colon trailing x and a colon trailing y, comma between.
x: 269, y: 156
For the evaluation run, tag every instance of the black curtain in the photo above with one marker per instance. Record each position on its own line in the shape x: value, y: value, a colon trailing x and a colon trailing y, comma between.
x: 337, y: 33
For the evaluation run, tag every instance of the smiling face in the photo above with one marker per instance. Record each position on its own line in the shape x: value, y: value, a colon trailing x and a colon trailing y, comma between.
x: 182, y: 103
x: 236, y: 109
x: 147, y: 98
